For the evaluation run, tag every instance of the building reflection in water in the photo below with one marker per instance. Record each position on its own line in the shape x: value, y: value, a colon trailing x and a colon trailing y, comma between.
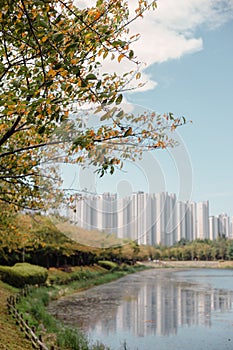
x: 163, y: 308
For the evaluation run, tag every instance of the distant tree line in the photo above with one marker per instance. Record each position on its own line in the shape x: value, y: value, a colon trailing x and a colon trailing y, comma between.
x: 37, y: 240
x: 72, y: 254
x: 221, y: 248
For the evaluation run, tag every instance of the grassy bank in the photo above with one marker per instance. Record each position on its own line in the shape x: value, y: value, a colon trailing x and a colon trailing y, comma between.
x: 53, y: 332
x: 11, y: 337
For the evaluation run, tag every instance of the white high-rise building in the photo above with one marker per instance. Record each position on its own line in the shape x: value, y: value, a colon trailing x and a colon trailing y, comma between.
x: 191, y: 221
x: 213, y: 227
x: 123, y: 217
x: 148, y: 236
x: 108, y: 210
x: 180, y: 221
x: 120, y: 218
x: 140, y: 217
x: 160, y: 217
x: 203, y: 220
x: 231, y: 228
x: 83, y: 213
x: 170, y: 220
x: 149, y: 218
x: 224, y: 225
x: 153, y: 225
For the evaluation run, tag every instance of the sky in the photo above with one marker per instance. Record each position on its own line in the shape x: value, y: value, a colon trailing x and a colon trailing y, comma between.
x: 187, y: 49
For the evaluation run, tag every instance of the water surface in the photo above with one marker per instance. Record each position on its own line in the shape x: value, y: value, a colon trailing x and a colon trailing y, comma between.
x: 156, y: 309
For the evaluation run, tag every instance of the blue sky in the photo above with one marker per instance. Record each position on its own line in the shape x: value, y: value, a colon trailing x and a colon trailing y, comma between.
x: 188, y: 48
x: 200, y: 86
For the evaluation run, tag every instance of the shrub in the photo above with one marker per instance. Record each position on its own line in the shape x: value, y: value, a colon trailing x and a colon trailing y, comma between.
x: 109, y: 265
x: 23, y: 273
x: 62, y: 278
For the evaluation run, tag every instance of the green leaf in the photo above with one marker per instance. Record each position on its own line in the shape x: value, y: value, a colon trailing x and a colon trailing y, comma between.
x: 120, y: 115
x: 76, y: 71
x: 48, y: 83
x: 119, y: 99
x: 58, y: 37
x: 105, y: 116
x: 83, y: 84
x: 98, y: 84
x: 98, y: 109
x: 41, y: 129
x: 42, y: 23
x: 131, y: 54
x: 91, y: 77
x: 57, y: 66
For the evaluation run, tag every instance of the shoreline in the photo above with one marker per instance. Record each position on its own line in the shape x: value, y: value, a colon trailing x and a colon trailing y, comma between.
x: 213, y: 264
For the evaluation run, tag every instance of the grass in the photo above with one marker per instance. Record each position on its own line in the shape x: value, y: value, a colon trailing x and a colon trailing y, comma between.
x: 93, y: 238
x: 11, y: 337
x: 33, y: 308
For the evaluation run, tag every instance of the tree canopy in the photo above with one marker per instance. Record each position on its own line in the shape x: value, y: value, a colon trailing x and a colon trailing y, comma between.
x: 52, y: 55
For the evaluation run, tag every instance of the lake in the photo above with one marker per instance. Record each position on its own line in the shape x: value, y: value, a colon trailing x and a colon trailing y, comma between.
x: 156, y: 309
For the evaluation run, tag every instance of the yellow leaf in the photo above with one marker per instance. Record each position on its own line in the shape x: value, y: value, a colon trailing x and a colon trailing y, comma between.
x: 97, y: 15
x: 120, y: 57
x: 128, y: 132
x: 52, y: 72
x: 63, y: 72
x: 173, y: 127
x: 89, y: 35
x: 74, y: 61
x: 105, y: 54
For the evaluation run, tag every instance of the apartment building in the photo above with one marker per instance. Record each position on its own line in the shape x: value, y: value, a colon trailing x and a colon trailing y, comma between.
x: 152, y: 219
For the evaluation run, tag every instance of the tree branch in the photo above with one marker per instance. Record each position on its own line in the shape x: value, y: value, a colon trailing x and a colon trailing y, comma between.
x: 10, y: 132
x: 35, y: 37
x: 6, y: 154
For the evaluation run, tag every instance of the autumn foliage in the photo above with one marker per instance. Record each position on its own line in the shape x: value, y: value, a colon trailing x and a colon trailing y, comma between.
x: 52, y: 64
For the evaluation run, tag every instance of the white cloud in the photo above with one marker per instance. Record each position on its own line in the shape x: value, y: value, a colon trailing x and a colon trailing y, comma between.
x: 183, y: 15
x: 170, y: 31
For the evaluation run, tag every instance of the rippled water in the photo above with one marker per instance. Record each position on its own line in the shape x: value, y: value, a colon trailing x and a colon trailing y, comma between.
x: 156, y: 309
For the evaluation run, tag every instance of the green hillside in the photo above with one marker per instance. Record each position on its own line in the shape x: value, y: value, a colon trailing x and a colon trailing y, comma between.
x: 93, y: 238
